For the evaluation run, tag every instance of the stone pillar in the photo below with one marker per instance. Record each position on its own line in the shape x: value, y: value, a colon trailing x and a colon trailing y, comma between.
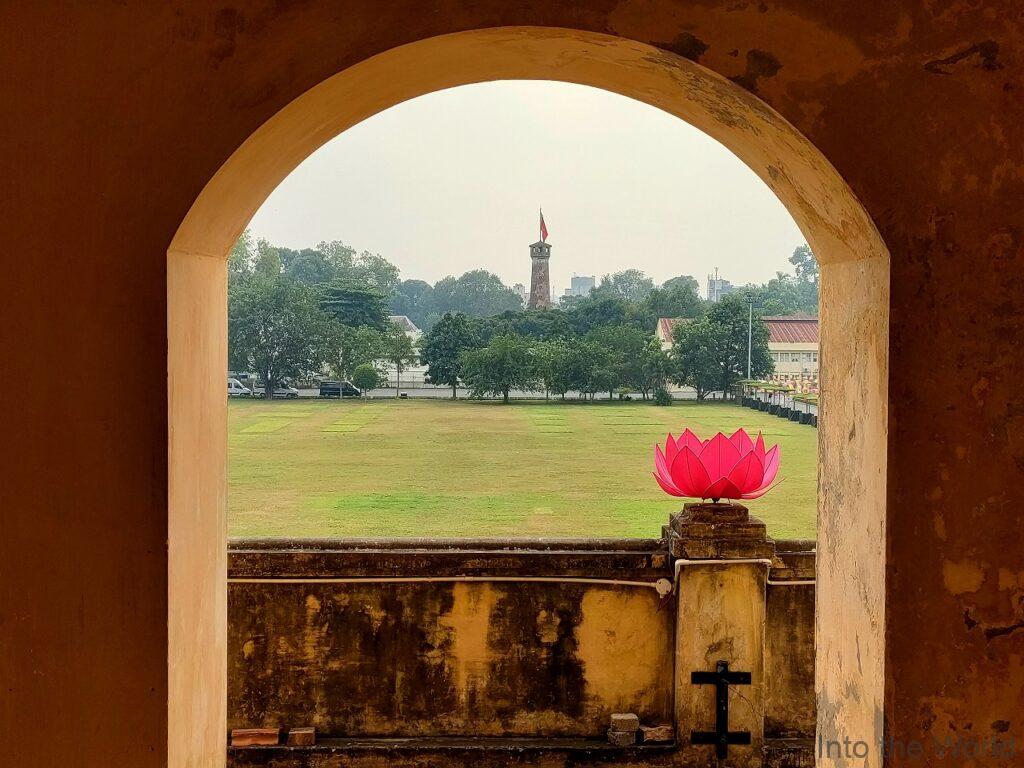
x: 722, y: 557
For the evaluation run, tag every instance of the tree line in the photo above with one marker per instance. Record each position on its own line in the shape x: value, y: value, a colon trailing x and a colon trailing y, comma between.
x: 492, y: 357
x: 294, y: 313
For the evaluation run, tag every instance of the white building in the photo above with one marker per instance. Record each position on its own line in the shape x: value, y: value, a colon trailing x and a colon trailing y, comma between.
x: 413, y: 376
x: 794, y: 348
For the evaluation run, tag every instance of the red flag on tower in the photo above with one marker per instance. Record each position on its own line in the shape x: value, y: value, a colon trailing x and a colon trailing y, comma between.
x: 543, y: 228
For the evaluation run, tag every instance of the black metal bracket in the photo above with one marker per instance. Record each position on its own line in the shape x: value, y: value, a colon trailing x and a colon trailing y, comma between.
x: 721, y: 737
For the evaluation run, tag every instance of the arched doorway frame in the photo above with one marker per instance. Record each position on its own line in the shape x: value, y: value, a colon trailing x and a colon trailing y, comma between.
x: 855, y: 299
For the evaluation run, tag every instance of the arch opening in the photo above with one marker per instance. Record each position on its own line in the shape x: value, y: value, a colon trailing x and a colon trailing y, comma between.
x: 854, y: 300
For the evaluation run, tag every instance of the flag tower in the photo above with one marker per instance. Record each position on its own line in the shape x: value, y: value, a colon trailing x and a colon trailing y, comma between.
x: 540, y: 279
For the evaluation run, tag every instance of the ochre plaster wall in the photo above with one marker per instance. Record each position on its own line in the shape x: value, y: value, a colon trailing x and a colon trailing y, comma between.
x: 526, y: 652
x: 482, y: 659
x: 117, y: 116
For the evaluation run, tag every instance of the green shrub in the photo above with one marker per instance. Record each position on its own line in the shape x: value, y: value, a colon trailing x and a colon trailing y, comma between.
x: 662, y: 396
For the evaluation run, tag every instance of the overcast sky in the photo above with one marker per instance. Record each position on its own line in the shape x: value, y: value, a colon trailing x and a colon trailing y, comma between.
x: 452, y: 181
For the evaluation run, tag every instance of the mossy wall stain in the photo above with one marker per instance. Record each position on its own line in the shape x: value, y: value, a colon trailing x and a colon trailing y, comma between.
x: 515, y: 659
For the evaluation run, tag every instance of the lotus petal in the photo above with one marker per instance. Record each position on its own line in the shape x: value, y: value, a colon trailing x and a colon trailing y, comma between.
x: 748, y: 474
x: 772, y: 461
x: 742, y: 441
x: 662, y: 468
x: 719, y: 456
x: 691, y: 441
x: 671, y: 449
x: 689, y: 474
x: 669, y: 489
x: 723, y: 488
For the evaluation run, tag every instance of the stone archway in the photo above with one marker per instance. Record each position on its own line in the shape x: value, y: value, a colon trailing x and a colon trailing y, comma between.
x: 855, y: 305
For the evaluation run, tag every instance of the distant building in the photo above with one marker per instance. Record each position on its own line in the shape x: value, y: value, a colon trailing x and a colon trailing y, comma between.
x: 540, y: 277
x: 794, y: 348
x: 408, y: 326
x: 581, y: 285
x: 520, y: 290
x: 718, y: 287
x: 666, y: 328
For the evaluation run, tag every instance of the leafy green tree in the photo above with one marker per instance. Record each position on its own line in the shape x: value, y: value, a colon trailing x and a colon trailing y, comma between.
x: 592, y: 368
x: 366, y: 269
x: 375, y: 271
x: 310, y: 266
x: 443, y: 346
x: 595, y: 311
x: 356, y: 305
x: 806, y: 266
x: 787, y: 294
x: 275, y: 328
x: 366, y: 377
x: 679, y: 300
x: 696, y: 353
x: 478, y: 293
x: 685, y: 282
x: 399, y: 351
x: 240, y: 259
x: 711, y: 353
x: 554, y: 363
x: 505, y: 364
x: 654, y: 369
x: 630, y: 284
x: 351, y: 348
x: 267, y: 261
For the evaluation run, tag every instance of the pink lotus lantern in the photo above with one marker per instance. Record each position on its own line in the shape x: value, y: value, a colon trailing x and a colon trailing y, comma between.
x: 723, y: 467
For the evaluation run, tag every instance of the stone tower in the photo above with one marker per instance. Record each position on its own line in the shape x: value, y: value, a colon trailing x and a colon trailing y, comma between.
x: 540, y: 282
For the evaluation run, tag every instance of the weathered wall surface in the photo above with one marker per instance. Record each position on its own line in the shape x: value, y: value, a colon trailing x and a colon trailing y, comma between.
x: 514, y: 658
x: 123, y: 111
x: 789, y: 701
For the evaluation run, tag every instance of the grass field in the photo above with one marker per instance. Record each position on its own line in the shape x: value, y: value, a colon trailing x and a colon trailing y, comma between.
x: 472, y: 469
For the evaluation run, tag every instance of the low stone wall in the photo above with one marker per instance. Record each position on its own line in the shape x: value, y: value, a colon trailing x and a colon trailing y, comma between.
x: 469, y: 652
x: 532, y: 653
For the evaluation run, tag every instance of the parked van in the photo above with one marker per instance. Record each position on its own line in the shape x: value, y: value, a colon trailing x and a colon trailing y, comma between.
x: 339, y: 389
x: 235, y: 389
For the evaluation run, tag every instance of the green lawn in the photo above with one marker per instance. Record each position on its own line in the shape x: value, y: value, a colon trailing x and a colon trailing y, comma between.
x: 438, y: 468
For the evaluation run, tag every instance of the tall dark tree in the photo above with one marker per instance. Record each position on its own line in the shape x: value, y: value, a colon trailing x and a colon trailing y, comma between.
x: 443, y: 347
x: 355, y: 305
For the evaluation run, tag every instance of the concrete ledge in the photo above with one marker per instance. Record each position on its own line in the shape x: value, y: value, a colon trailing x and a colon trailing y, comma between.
x: 643, y: 559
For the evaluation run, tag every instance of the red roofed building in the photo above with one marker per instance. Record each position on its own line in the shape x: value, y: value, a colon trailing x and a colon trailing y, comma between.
x: 665, y: 329
x: 793, y: 345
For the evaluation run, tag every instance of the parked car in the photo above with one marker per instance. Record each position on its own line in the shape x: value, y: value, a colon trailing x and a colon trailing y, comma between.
x: 339, y: 389
x: 280, y: 391
x: 237, y: 389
